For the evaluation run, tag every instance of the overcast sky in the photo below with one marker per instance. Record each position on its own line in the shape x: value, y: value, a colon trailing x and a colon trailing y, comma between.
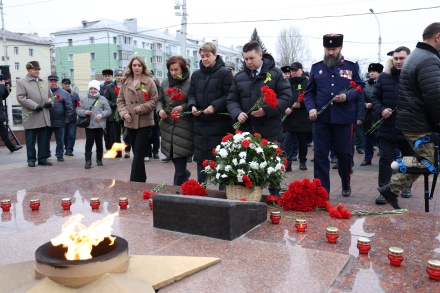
x: 401, y: 22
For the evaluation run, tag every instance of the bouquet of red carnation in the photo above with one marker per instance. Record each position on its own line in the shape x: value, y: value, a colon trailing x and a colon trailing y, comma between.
x: 304, y: 195
x: 272, y: 199
x: 340, y: 212
x: 192, y: 187
x: 268, y: 97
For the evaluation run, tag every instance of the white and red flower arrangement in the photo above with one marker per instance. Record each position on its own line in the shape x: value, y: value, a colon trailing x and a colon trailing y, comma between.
x: 247, y: 160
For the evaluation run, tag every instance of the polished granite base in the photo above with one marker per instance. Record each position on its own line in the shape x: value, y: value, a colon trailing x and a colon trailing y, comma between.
x: 269, y: 258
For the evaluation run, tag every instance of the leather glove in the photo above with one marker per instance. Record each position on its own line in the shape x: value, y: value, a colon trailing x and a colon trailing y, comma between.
x: 38, y: 109
x: 47, y: 105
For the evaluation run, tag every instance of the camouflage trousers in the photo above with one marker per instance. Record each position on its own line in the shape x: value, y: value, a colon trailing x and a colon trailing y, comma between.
x: 400, y: 181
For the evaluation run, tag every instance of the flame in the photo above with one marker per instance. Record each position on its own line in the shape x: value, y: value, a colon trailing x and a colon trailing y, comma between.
x: 80, y: 239
x: 112, y: 184
x: 116, y: 147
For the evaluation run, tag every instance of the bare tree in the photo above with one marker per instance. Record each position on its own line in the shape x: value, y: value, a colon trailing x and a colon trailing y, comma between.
x: 292, y: 46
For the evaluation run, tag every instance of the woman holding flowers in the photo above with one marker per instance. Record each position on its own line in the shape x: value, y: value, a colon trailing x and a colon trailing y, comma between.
x: 97, y: 107
x: 207, y: 101
x: 136, y: 105
x: 176, y: 127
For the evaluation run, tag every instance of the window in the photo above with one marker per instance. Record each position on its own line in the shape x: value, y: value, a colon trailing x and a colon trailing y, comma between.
x: 92, y: 56
x: 144, y: 45
x: 135, y: 43
x: 115, y: 56
x: 158, y: 46
x: 16, y: 50
x: 115, y: 40
x: 127, y: 40
x: 70, y: 57
x: 71, y: 72
x: 158, y: 73
x: 92, y: 40
x: 17, y: 66
x: 31, y: 52
x: 92, y: 71
x: 69, y: 42
x: 156, y: 59
x: 195, y: 53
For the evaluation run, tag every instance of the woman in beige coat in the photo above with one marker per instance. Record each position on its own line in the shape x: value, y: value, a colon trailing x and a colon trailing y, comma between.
x: 136, y: 104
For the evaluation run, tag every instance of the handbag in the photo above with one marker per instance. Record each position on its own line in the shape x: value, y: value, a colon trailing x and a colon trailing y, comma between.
x: 83, y: 122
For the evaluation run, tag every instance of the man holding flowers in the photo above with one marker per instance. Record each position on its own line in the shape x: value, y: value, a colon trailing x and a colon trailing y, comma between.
x: 259, y: 95
x: 333, y: 92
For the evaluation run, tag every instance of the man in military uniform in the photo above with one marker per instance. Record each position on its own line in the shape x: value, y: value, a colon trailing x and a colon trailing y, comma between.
x: 329, y: 86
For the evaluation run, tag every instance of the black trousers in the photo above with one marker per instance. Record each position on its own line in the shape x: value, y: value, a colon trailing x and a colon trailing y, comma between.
x: 179, y: 170
x: 113, y: 134
x: 387, y: 156
x: 94, y: 135
x: 5, y: 137
x: 138, y: 139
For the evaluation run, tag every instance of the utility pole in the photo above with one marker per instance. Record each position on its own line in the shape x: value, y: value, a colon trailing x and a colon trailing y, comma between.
x: 183, y: 26
x: 5, y: 56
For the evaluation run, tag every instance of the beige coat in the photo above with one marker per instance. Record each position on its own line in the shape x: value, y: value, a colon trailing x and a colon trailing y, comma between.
x: 30, y: 94
x: 131, y: 96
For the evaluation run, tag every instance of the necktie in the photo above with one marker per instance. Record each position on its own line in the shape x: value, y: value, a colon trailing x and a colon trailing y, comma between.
x: 255, y: 73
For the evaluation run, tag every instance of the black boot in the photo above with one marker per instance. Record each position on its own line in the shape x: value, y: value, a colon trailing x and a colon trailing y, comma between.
x: 88, y: 160
x: 99, y: 158
x: 303, y: 166
x: 391, y: 197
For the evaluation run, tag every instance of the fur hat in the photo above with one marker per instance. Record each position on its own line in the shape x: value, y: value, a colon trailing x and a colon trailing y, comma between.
x: 33, y: 65
x: 333, y: 40
x: 52, y: 77
x: 285, y: 69
x: 94, y: 84
x: 119, y: 72
x: 375, y: 67
x: 107, y: 72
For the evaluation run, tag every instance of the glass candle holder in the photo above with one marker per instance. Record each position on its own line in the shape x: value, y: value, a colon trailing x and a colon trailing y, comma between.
x: 94, y: 203
x: 433, y: 269
x: 395, y: 255
x: 6, y: 205
x: 332, y: 234
x: 364, y: 245
x: 34, y: 204
x: 66, y: 203
x: 123, y: 203
x: 150, y: 203
x: 301, y: 225
x: 275, y: 217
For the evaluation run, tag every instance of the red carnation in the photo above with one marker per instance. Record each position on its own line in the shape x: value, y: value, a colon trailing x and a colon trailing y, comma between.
x: 146, y: 194
x: 359, y: 89
x: 214, y: 151
x: 257, y: 135
x: 245, y: 143
x: 116, y: 90
x: 192, y: 187
x: 272, y: 199
x: 264, y: 142
x: 226, y: 137
x: 279, y: 151
x: 212, y: 164
x: 352, y: 84
x: 247, y: 181
x: 205, y: 163
x: 146, y: 96
x: 78, y: 104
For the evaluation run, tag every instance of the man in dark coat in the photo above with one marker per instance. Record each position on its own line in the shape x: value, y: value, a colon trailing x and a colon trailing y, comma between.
x: 330, y: 92
x: 62, y: 108
x: 418, y: 113
x: 297, y: 126
x: 384, y: 99
x: 207, y: 100
x: 108, y: 75
x: 70, y: 128
x: 246, y: 87
x: 4, y: 93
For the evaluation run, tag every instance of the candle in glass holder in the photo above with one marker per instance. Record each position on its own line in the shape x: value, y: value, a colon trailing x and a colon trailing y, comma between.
x: 123, y: 202
x: 6, y: 205
x: 395, y: 255
x: 150, y: 203
x: 301, y: 225
x: 363, y: 245
x: 66, y: 203
x: 275, y: 217
x: 35, y: 204
x: 332, y: 234
x: 94, y: 203
x: 433, y: 269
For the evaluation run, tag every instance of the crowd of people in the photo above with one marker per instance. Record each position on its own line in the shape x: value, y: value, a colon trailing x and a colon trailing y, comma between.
x: 330, y: 105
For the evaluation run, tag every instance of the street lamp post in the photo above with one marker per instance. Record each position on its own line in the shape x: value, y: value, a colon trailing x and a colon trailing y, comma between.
x: 380, y: 36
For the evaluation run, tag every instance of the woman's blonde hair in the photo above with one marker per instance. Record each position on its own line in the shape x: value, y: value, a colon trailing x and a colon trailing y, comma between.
x: 145, y: 70
x: 208, y: 47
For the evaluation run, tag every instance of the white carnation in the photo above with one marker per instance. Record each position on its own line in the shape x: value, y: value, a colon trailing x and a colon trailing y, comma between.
x: 259, y: 150
x: 242, y: 155
x: 234, y: 161
x: 263, y: 165
x: 228, y: 168
x: 223, y: 153
x: 254, y: 165
x: 242, y: 161
x: 270, y: 170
